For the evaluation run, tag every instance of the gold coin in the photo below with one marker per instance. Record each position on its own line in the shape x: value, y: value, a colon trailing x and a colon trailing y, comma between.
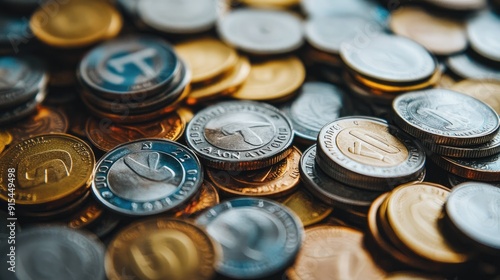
x: 5, y: 139
x: 271, y: 3
x: 87, y: 214
x: 411, y: 275
x: 309, y: 209
x: 76, y: 23
x: 487, y: 91
x: 207, y: 197
x: 46, y: 120
x: 186, y: 113
x: 227, y: 84
x: 48, y: 170
x: 161, y: 248
x: 413, y: 211
x: 271, y: 80
x: 106, y: 135
x: 207, y: 58
x: 272, y: 181
x: 398, y: 89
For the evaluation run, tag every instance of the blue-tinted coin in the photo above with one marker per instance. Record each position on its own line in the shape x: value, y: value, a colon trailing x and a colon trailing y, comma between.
x: 14, y: 33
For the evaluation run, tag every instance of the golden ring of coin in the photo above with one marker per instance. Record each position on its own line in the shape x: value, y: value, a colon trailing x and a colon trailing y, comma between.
x: 271, y: 3
x: 309, y: 209
x: 5, y: 139
x: 397, y: 89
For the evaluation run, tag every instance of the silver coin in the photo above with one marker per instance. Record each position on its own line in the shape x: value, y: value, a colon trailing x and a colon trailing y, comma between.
x: 483, y: 32
x: 487, y: 149
x: 455, y: 180
x: 462, y: 5
x: 240, y: 135
x: 474, y: 210
x: 389, y: 58
x: 317, y: 104
x: 479, y: 169
x: 466, y: 67
x: 445, y: 117
x: 178, y: 16
x: 329, y: 33
x: 368, y: 151
x: 259, y: 237
x: 333, y: 8
x: 260, y: 31
x: 21, y: 111
x: 146, y: 177
x: 55, y: 252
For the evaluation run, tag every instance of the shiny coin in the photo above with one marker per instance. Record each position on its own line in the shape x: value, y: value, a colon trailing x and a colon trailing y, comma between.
x: 271, y: 80
x: 271, y: 3
x: 480, y: 169
x: 367, y: 153
x: 316, y: 105
x: 439, y: 35
x: 5, y: 139
x: 207, y: 197
x: 46, y: 120
x: 445, y: 117
x: 382, y: 88
x: 328, y: 247
x: 333, y: 8
x: 307, y: 207
x: 482, y: 31
x: 73, y: 255
x: 50, y: 170
x: 146, y: 177
x: 484, y: 90
x: 106, y: 135
x: 240, y: 135
x: 172, y: 16
x: 411, y: 275
x: 269, y: 236
x: 467, y: 67
x: 472, y: 208
x: 88, y: 214
x: 276, y: 180
x: 131, y: 66
x: 161, y: 248
x: 389, y: 58
x: 455, y: 180
x: 259, y: 31
x: 39, y: 215
x: 13, y: 30
x: 487, y: 149
x: 461, y: 5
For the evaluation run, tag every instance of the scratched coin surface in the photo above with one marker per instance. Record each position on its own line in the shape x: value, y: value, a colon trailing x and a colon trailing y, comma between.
x: 46, y: 120
x: 240, y: 135
x: 146, y: 177
x: 259, y: 237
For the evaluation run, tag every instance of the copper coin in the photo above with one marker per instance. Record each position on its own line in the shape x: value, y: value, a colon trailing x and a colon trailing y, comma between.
x: 307, y: 207
x: 206, y: 198
x: 46, y: 120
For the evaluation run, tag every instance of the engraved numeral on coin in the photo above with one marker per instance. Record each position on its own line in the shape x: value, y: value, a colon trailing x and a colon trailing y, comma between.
x: 43, y: 168
x: 137, y: 58
x: 453, y: 120
x: 152, y: 170
x: 147, y: 146
x: 367, y: 144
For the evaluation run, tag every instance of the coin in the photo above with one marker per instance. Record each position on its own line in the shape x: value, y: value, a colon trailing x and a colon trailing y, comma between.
x: 161, y: 248
x: 445, y: 117
x: 269, y: 236
x: 446, y: 81
x: 12, y: 31
x: 375, y: 86
x: 441, y: 36
x: 462, y: 5
x: 481, y: 31
x: 5, y: 139
x: 49, y: 170
x: 73, y: 255
x: 484, y: 90
x: 43, y: 215
x: 106, y: 135
x: 455, y: 180
x: 389, y: 58
x: 467, y: 67
x: 325, y: 250
x: 262, y: 32
x: 106, y: 223
x: 22, y: 111
x: 276, y: 180
x: 317, y: 104
x: 487, y: 149
x: 273, y: 79
x: 309, y: 209
x: 207, y: 197
x: 411, y: 275
x: 147, y: 176
x: 333, y: 8
x: 480, y: 169
x: 271, y: 3
x: 472, y: 208
x: 240, y: 135
x: 206, y: 57
x: 188, y: 16
x: 46, y: 120
x: 87, y: 215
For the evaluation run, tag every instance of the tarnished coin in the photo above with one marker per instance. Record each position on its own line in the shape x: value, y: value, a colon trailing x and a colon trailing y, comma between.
x: 46, y: 170
x: 307, y: 207
x: 260, y: 31
x: 368, y: 153
x: 146, y: 177
x: 472, y: 208
x: 161, y: 248
x: 487, y: 149
x: 389, y: 58
x: 55, y: 252
x: 483, y: 32
x: 276, y: 180
x: 328, y: 248
x: 317, y: 104
x: 480, y: 169
x: 484, y: 90
x: 46, y: 120
x: 445, y: 117
x: 207, y: 197
x: 172, y: 16
x: 269, y: 236
x: 240, y: 135
x: 467, y: 67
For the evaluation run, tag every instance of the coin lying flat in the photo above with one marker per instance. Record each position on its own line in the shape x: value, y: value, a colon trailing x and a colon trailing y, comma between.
x: 46, y: 120
x: 467, y: 67
x: 307, y: 207
x: 365, y: 8
x: 271, y: 3
x: 484, y: 90
x: 269, y: 236
x: 487, y: 149
x: 146, y: 177
x: 462, y: 5
x: 240, y: 135
x: 483, y: 31
x: 261, y: 31
x: 445, y: 117
x: 207, y: 197
x: 480, y: 169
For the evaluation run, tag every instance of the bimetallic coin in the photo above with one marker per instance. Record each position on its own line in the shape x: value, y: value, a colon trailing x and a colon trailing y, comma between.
x: 240, y: 135
x: 479, y: 169
x: 49, y: 170
x: 445, y: 117
x: 260, y: 31
x: 324, y: 254
x: 484, y: 90
x: 389, y: 58
x: 316, y: 105
x: 276, y: 180
x: 207, y: 197
x: 46, y: 120
x: 307, y: 207
x: 467, y: 67
x: 269, y: 236
x: 473, y: 209
x: 55, y: 252
x: 146, y: 177
x: 487, y: 149
x: 161, y: 248
x: 483, y: 31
